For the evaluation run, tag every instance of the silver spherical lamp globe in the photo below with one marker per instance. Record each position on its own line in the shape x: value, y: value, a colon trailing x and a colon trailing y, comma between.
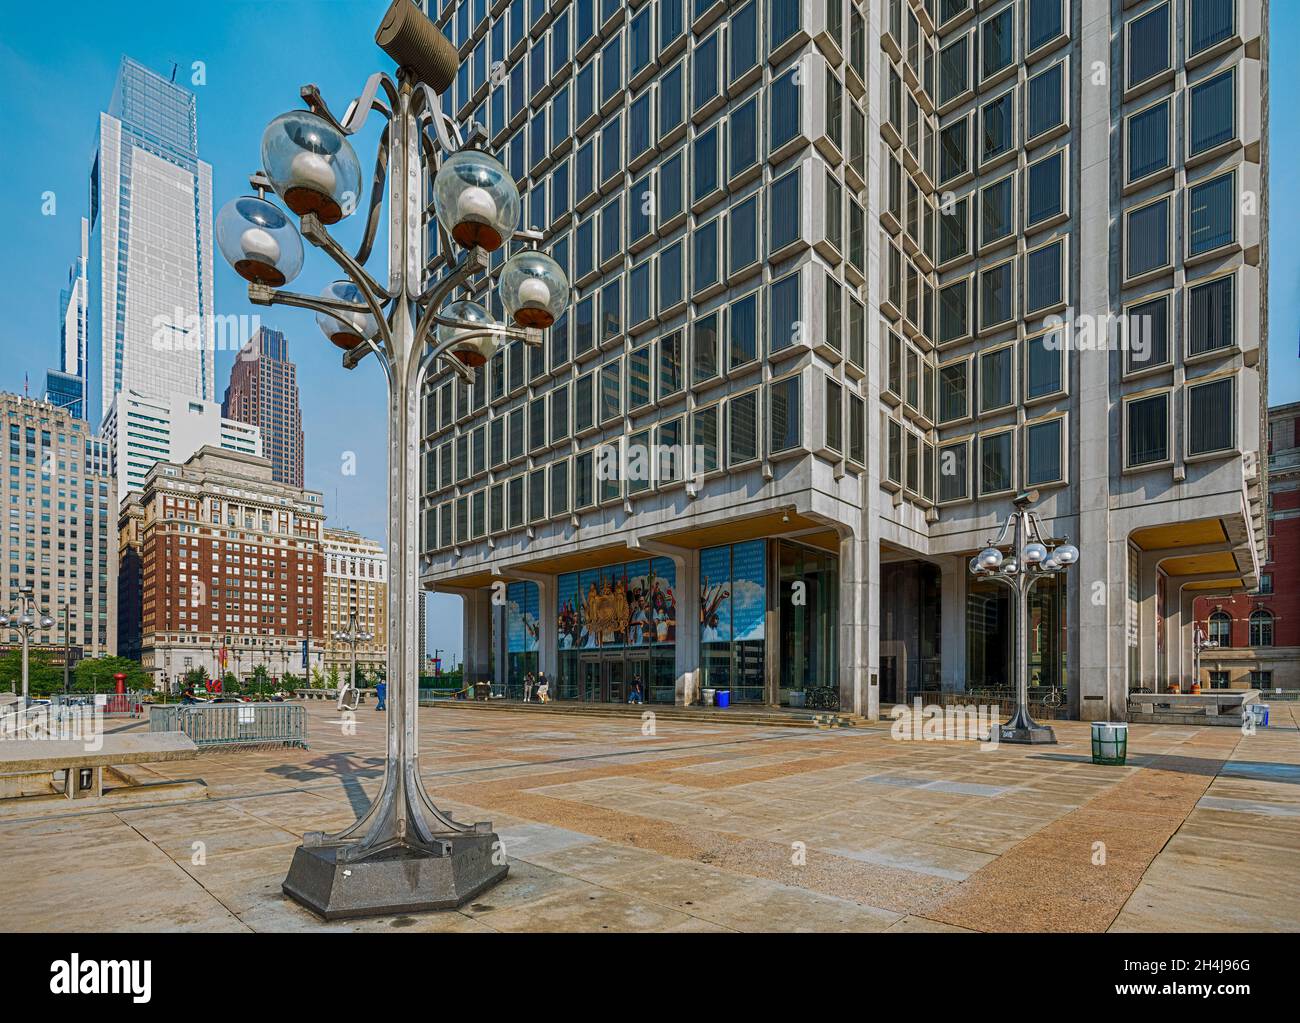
x: 476, y: 200
x: 312, y: 166
x: 346, y: 329
x: 472, y: 351
x: 258, y: 241
x: 1067, y: 554
x: 533, y: 289
x: 990, y: 559
x: 1034, y: 554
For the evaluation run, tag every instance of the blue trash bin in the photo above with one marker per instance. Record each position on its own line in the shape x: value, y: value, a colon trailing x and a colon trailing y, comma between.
x: 723, y: 698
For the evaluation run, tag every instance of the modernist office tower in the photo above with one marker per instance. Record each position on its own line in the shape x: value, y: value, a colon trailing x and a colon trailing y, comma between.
x: 851, y: 260
x: 150, y: 265
x: 263, y: 392
x: 65, y: 386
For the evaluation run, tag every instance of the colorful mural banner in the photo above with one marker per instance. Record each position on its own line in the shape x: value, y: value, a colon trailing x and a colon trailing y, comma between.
x: 523, y: 620
x: 632, y: 604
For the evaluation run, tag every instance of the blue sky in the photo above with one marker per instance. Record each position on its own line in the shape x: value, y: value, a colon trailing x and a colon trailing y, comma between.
x: 57, y: 67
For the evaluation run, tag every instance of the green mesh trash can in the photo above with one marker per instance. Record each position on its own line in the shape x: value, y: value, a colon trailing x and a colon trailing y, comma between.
x: 1109, y: 742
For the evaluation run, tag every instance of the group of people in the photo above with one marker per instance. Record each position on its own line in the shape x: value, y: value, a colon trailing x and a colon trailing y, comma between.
x: 537, y: 686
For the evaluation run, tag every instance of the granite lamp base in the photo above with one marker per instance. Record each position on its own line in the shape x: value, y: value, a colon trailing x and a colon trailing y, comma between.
x: 1033, y: 735
x: 397, y: 880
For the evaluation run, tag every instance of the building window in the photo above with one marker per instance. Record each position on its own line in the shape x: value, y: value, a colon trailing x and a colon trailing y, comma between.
x: 783, y: 312
x: 954, y: 150
x: 1046, y: 101
x: 1212, y: 107
x: 997, y: 123
x: 954, y: 230
x: 996, y: 462
x: 1210, y: 415
x: 1146, y: 241
x: 995, y: 379
x: 1209, y: 22
x: 784, y: 202
x: 785, y: 96
x: 742, y: 428
x: 954, y: 311
x: 743, y: 138
x: 997, y: 201
x: 1210, y: 319
x: 1221, y: 629
x: 742, y: 331
x: 1044, y: 370
x: 1147, y: 333
x: 1219, y: 680
x: 834, y: 413
x: 1265, y: 582
x: 1149, y: 46
x: 1147, y: 429
x: 742, y: 235
x: 953, y: 473
x: 954, y: 69
x: 954, y: 395
x: 1044, y: 452
x: 997, y: 295
x: 1046, y: 22
x: 1261, y: 628
x: 784, y: 412
x: 670, y: 364
x: 743, y: 40
x: 704, y: 436
x: 1045, y: 277
x: 997, y: 42
x: 704, y: 345
x: 1044, y: 189
x: 638, y: 378
x: 1210, y: 214
x: 1148, y: 141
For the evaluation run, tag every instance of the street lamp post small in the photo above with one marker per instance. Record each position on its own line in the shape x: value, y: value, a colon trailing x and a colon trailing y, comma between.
x: 1028, y: 557
x: 403, y: 853
x: 352, y: 635
x: 26, y: 617
x: 1200, y: 641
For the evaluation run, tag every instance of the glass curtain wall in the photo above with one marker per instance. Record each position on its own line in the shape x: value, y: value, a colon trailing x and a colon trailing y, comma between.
x: 733, y: 612
x: 990, y: 636
x: 809, y: 616
x: 522, y: 626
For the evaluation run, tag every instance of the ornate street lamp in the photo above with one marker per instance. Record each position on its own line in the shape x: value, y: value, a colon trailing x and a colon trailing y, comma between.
x: 352, y: 635
x: 26, y: 617
x: 403, y: 853
x: 1019, y: 556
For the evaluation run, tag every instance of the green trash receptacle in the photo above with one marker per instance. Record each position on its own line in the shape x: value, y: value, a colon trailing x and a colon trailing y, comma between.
x: 1109, y: 742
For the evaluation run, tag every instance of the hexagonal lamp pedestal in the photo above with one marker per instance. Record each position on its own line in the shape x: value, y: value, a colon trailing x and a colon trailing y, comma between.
x: 1025, y: 731
x: 400, y: 879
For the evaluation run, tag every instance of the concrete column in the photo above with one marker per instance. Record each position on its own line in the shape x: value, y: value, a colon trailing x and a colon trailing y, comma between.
x: 477, y: 632
x: 1094, y: 644
x: 952, y: 623
x: 859, y: 626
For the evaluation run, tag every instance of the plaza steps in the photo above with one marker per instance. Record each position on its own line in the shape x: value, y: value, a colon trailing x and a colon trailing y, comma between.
x: 757, y: 717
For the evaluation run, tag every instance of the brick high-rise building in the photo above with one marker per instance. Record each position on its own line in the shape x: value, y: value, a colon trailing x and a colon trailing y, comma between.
x: 230, y: 568
x: 1257, y: 635
x: 263, y: 392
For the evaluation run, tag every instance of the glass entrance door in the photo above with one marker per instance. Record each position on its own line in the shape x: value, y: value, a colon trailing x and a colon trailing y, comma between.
x: 591, y: 681
x: 615, y: 677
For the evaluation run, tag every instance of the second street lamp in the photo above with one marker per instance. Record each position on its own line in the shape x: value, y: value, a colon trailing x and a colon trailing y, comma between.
x: 403, y: 853
x: 1029, y: 558
x: 352, y: 635
x: 26, y: 617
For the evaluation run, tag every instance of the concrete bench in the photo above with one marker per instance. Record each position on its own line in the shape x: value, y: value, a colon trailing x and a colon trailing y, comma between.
x: 25, y: 761
x: 1219, y: 707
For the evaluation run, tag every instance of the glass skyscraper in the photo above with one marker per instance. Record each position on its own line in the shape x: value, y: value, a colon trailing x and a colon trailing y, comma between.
x: 150, y: 246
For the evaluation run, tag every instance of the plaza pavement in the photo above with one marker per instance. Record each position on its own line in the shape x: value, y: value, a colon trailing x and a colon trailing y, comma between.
x: 708, y: 827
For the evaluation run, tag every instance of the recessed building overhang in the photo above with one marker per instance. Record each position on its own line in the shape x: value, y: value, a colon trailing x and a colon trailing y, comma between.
x: 1200, y: 564
x: 798, y: 527
x: 1180, y: 534
x: 1219, y: 585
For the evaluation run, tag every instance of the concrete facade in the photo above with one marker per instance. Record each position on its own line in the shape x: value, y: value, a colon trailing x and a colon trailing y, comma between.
x: 872, y: 265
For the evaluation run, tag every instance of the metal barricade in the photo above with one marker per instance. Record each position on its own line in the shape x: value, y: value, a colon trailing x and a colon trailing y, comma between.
x: 234, y: 724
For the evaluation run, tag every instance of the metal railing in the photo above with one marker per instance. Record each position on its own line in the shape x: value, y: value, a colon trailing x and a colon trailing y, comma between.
x: 234, y: 724
x: 111, y: 705
x: 1044, y: 703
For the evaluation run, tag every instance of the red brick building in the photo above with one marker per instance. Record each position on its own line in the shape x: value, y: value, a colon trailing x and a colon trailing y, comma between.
x: 1255, y: 637
x: 230, y: 568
